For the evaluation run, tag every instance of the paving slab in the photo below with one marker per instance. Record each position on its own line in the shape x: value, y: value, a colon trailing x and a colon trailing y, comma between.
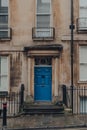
x: 46, y: 121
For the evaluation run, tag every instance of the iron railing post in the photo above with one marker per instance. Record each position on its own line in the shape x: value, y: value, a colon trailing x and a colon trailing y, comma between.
x: 22, y: 95
x: 4, y: 114
x: 64, y: 95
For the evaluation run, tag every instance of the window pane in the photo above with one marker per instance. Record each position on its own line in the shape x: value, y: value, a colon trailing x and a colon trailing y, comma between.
x: 43, y: 21
x: 83, y: 54
x: 43, y: 6
x: 0, y: 82
x: 83, y: 3
x: 0, y: 65
x: 83, y: 8
x: 83, y: 104
x: 83, y: 12
x: 3, y: 10
x: 4, y: 3
x: 4, y: 73
x: 3, y: 19
x: 4, y: 66
x: 4, y: 83
x: 83, y: 72
x: 45, y: 1
x: 4, y: 34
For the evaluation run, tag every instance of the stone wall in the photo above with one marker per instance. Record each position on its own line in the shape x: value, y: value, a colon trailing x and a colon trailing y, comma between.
x: 15, y: 69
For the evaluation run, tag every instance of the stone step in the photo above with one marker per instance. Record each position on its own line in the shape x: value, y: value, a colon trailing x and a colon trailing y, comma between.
x: 43, y: 109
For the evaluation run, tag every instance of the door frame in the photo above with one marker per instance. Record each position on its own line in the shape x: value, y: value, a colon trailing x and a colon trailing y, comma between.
x: 56, y: 70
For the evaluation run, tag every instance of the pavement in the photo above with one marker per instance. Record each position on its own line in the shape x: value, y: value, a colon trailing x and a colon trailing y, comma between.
x: 84, y: 128
x: 46, y: 122
x: 52, y: 129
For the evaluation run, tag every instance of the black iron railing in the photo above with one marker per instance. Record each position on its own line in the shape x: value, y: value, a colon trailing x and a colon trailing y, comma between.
x: 13, y: 103
x: 79, y: 99
x: 43, y: 33
x: 5, y: 33
x: 81, y: 25
x: 13, y: 100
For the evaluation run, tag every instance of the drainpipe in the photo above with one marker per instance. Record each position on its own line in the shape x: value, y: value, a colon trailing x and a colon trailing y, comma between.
x: 72, y: 28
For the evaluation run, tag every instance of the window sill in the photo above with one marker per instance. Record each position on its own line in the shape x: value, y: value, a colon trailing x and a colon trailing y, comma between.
x: 5, y: 39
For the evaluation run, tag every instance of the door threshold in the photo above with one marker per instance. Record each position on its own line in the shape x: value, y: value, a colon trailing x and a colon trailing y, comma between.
x: 43, y: 103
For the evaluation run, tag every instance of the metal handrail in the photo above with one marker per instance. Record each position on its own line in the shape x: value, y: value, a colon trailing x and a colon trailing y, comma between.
x: 47, y: 33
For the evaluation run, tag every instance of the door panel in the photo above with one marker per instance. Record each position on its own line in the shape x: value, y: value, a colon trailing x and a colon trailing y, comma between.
x: 43, y: 83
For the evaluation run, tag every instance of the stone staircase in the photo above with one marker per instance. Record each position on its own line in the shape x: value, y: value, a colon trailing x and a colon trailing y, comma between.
x: 43, y: 108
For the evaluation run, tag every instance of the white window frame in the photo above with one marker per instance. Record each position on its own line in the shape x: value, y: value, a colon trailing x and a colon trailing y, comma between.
x: 82, y: 64
x: 5, y: 88
x: 41, y: 32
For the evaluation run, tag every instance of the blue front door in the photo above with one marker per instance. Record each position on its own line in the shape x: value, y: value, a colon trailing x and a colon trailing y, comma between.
x: 43, y: 83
